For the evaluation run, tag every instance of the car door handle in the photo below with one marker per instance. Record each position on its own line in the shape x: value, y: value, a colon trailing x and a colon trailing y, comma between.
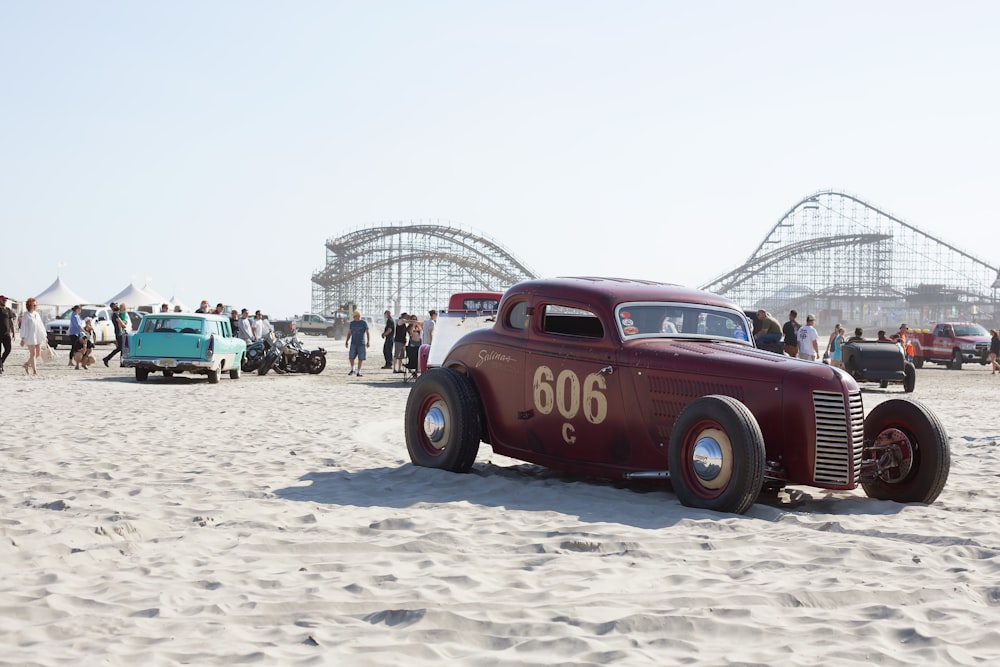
x: 607, y: 370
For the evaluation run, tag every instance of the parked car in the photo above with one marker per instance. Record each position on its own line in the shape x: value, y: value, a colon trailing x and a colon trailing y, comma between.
x: 184, y: 343
x: 951, y: 344
x: 57, y: 330
x: 884, y: 363
x: 639, y: 380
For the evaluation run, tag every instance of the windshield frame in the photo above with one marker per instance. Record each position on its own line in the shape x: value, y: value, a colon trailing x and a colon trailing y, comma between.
x: 689, y: 310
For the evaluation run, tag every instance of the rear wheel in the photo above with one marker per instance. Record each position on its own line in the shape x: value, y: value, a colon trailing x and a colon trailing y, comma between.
x: 909, y: 448
x: 716, y: 455
x: 956, y: 360
x: 918, y: 362
x: 443, y: 422
x: 317, y: 362
x: 213, y: 376
x: 910, y: 381
x: 141, y: 374
x: 234, y: 373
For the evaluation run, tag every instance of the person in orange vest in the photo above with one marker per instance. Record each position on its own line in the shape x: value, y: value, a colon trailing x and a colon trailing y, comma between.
x: 904, y: 342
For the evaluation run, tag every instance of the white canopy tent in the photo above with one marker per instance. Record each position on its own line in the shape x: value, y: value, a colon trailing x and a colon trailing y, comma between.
x: 158, y: 298
x: 58, y: 294
x: 133, y: 297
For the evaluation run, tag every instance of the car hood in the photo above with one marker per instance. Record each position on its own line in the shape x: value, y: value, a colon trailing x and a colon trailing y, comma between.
x: 728, y: 360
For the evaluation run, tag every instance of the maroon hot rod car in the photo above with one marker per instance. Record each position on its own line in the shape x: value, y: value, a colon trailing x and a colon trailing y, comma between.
x: 640, y: 380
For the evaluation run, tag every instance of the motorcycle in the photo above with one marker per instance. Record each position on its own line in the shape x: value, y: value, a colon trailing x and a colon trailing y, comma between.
x: 292, y: 357
x: 260, y: 355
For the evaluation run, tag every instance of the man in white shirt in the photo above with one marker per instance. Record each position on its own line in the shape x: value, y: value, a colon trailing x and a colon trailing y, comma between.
x: 261, y: 327
x: 429, y: 327
x: 246, y: 326
x: 808, y: 339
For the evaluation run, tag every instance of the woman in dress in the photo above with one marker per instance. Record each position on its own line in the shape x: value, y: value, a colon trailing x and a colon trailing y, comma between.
x: 32, y: 334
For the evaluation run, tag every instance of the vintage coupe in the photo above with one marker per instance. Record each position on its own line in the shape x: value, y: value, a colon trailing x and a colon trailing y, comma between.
x: 639, y: 380
x: 184, y: 343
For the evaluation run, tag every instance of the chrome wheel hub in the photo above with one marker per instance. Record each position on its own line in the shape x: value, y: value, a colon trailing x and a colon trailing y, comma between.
x: 707, y: 459
x: 435, y: 425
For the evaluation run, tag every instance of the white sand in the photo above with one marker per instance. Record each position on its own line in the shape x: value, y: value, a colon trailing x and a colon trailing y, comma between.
x: 278, y: 521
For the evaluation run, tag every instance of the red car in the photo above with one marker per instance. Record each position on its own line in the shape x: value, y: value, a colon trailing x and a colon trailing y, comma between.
x: 629, y: 379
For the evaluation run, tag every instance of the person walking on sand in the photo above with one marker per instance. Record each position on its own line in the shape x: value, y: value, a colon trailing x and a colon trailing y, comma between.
x: 7, y: 320
x: 357, y: 332
x: 120, y: 332
x: 32, y: 335
x: 808, y: 340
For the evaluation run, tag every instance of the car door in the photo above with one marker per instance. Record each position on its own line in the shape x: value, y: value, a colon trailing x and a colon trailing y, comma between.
x: 573, y: 389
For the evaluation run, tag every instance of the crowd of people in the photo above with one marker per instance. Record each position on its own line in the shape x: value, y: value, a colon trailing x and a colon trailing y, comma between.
x: 803, y: 341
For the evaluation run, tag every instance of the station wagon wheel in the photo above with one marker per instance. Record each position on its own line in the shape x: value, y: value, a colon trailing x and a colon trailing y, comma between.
x: 213, y: 376
x: 234, y: 373
x: 716, y: 455
x: 908, y: 450
x: 141, y: 374
x: 443, y: 421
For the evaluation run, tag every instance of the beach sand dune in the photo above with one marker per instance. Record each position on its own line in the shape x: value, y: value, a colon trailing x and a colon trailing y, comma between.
x: 277, y: 520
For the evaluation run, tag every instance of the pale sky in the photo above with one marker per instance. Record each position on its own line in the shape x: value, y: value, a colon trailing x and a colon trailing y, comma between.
x: 210, y: 148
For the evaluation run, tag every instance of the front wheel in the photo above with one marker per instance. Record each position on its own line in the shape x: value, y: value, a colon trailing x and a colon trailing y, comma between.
x: 443, y: 421
x: 918, y: 362
x: 716, y: 455
x: 234, y: 373
x: 910, y: 379
x: 908, y: 450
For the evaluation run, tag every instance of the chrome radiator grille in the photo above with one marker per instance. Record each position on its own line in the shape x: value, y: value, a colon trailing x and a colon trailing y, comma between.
x: 839, y: 437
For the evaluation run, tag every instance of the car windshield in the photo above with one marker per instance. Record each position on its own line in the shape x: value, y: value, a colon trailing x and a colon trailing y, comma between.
x: 970, y: 330
x: 681, y: 320
x: 84, y: 313
x: 188, y: 325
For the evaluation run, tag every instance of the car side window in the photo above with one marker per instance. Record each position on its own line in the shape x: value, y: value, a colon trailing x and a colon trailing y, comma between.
x: 571, y: 321
x: 517, y: 317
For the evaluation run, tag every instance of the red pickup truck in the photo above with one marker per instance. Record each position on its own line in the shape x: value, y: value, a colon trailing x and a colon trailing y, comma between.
x: 951, y: 344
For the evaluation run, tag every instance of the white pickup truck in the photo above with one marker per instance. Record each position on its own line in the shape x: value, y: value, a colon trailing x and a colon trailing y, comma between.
x: 57, y: 331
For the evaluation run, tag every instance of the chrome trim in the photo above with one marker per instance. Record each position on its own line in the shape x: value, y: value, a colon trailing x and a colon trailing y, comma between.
x: 839, y: 437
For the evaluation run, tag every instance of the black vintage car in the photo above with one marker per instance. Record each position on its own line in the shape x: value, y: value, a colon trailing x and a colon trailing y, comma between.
x: 878, y: 362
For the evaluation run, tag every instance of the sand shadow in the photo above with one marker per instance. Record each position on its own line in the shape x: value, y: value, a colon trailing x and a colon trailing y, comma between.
x: 528, y: 487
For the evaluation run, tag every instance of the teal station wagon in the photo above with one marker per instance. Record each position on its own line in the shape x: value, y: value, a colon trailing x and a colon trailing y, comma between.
x: 184, y: 343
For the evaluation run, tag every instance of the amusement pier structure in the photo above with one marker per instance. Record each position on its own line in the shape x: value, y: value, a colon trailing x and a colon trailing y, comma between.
x: 847, y: 261
x: 411, y: 268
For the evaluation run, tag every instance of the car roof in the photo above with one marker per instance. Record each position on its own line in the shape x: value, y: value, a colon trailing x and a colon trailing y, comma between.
x: 611, y: 291
x: 196, y: 316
